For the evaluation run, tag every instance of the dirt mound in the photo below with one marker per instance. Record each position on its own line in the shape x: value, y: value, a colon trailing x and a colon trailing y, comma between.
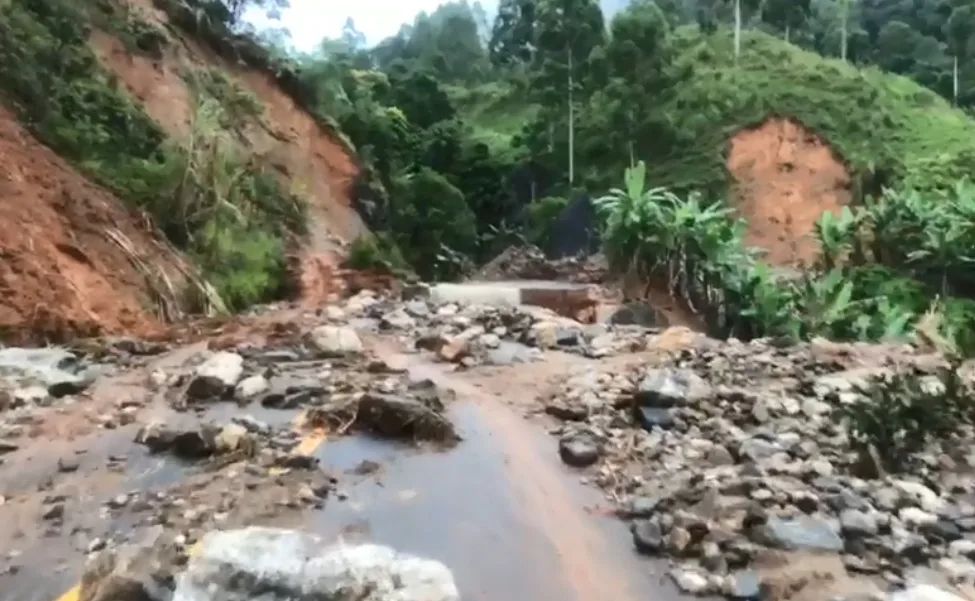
x: 530, y: 263
x: 74, y: 262
x: 785, y: 178
x: 310, y: 161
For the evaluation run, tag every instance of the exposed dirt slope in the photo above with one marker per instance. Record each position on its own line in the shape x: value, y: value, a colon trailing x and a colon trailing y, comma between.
x: 312, y: 163
x: 785, y: 178
x: 63, y: 271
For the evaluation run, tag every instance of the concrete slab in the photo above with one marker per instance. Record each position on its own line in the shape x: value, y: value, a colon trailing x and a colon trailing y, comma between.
x: 565, y: 298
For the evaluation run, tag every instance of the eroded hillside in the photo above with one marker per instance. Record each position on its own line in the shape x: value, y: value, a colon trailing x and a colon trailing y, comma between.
x: 164, y: 162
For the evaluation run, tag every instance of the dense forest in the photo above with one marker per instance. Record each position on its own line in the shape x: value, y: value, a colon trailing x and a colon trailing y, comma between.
x: 474, y: 130
x: 478, y: 129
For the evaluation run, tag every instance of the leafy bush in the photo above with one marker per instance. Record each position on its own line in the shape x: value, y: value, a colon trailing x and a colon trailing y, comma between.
x: 375, y: 253
x: 433, y: 225
x: 696, y: 248
x: 904, y: 412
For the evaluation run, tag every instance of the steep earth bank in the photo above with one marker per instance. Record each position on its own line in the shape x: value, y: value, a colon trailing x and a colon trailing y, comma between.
x: 74, y: 261
x: 784, y: 178
x: 311, y: 161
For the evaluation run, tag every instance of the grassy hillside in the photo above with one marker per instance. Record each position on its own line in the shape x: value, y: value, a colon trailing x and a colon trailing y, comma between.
x: 876, y: 121
x: 879, y: 123
x: 496, y: 111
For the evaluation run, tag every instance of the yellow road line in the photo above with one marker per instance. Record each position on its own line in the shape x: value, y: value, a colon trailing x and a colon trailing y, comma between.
x: 308, y: 445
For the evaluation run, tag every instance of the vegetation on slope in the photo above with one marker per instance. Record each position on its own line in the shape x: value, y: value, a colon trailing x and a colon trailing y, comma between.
x: 204, y: 194
x: 887, y: 128
x: 472, y: 134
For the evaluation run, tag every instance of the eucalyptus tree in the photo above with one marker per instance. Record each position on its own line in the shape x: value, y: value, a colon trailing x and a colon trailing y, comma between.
x: 786, y: 15
x: 567, y: 33
x: 739, y: 6
x: 960, y: 35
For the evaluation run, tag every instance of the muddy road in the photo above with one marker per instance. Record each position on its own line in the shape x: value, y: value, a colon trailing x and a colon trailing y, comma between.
x: 499, y: 508
x: 534, y: 456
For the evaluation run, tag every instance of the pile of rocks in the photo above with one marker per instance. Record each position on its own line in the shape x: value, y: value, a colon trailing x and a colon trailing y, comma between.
x: 727, y: 450
x: 470, y: 335
x: 529, y: 262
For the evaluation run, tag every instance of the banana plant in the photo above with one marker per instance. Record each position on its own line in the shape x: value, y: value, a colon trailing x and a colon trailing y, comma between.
x: 836, y: 235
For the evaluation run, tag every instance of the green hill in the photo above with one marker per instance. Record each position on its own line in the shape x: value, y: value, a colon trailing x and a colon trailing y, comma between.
x: 874, y: 120
x: 879, y: 123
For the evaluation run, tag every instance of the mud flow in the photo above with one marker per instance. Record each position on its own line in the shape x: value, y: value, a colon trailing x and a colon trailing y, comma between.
x: 441, y: 449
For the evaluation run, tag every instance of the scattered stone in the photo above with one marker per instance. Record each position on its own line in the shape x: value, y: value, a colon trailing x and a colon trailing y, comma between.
x: 68, y: 464
x: 388, y: 416
x: 276, y: 565
x: 251, y: 387
x: 648, y: 537
x: 216, y: 376
x: 142, y: 571
x: 335, y: 341
x: 690, y: 581
x: 580, y: 449
x: 745, y: 585
x: 858, y: 523
x: 802, y: 533
x: 667, y: 387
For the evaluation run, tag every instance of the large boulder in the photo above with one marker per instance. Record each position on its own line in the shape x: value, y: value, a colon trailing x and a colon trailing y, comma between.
x: 281, y: 565
x: 140, y: 571
x: 216, y: 376
x: 335, y: 341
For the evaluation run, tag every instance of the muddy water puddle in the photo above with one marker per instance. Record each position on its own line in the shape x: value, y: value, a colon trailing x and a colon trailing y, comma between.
x: 500, y: 509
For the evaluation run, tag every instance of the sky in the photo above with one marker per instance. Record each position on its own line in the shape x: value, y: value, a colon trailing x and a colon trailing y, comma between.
x: 311, y: 20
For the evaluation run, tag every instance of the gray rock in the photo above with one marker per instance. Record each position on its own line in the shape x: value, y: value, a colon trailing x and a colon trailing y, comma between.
x: 669, y: 387
x: 335, y: 341
x: 758, y: 449
x: 641, y: 507
x: 923, y: 592
x: 650, y: 417
x: 962, y: 548
x: 396, y: 320
x: 142, y: 571
x: 915, y: 516
x: 745, y: 585
x: 719, y: 455
x: 711, y: 557
x: 216, y: 376
x: 280, y: 565
x: 919, y: 494
x: 678, y: 540
x: 579, y: 449
x: 690, y: 581
x: 251, y: 387
x: 858, y: 523
x: 647, y: 537
x: 800, y: 533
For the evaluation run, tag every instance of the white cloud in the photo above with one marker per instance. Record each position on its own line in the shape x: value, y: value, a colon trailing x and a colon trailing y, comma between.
x: 309, y: 21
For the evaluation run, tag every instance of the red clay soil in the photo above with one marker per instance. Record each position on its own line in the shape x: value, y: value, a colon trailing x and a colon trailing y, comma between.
x: 785, y: 178
x: 61, y: 275
x: 310, y: 161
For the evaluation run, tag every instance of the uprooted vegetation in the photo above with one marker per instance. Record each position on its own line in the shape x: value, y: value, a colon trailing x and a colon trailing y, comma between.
x: 205, y: 194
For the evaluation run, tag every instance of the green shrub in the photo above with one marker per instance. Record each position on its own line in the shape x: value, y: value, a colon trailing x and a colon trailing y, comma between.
x: 901, y: 414
x: 697, y: 249
x: 373, y: 252
x: 433, y: 225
